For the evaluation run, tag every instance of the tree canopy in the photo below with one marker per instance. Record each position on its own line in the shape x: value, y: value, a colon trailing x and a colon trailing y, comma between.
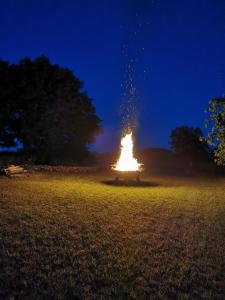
x: 186, y: 141
x: 216, y: 120
x: 45, y: 107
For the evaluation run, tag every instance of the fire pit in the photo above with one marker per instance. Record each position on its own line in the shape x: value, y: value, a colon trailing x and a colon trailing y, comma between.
x: 127, y: 167
x: 127, y: 175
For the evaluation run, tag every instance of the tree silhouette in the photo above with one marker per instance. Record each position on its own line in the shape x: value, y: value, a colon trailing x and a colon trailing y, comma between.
x: 187, y: 142
x: 216, y: 137
x: 45, y: 107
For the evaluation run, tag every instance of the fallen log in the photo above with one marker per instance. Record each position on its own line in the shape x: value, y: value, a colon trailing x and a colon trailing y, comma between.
x: 14, y: 170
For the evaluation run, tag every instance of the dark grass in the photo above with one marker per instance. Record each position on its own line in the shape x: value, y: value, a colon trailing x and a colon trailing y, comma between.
x: 130, y: 183
x: 79, y: 237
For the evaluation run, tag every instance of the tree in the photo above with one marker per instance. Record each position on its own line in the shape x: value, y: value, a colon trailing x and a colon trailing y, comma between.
x: 216, y: 120
x: 186, y: 142
x: 7, y: 136
x: 45, y: 107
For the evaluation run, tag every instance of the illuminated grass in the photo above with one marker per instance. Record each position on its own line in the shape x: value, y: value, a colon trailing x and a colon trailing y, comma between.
x: 75, y: 237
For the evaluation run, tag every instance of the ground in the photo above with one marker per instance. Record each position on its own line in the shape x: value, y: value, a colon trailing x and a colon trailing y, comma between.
x: 79, y: 237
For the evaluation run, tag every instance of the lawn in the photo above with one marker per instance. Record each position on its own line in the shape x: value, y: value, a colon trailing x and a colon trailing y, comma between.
x: 78, y: 237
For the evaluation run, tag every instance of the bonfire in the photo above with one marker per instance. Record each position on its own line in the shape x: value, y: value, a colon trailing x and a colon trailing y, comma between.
x: 127, y: 165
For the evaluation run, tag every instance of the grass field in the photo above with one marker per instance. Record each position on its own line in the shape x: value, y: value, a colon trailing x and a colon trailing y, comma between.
x: 77, y: 237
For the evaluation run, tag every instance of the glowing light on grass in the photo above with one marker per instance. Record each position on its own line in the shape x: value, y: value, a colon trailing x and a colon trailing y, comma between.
x: 126, y: 161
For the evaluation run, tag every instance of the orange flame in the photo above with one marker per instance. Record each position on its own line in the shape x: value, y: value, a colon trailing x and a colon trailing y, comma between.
x: 126, y: 161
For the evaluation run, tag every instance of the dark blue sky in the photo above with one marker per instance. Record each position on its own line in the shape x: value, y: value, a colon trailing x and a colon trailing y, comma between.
x: 180, y: 51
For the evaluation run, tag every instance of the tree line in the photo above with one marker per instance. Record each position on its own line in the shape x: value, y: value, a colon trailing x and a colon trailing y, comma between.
x: 46, y: 109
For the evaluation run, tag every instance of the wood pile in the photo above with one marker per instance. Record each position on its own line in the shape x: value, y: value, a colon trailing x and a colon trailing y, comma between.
x: 14, y: 171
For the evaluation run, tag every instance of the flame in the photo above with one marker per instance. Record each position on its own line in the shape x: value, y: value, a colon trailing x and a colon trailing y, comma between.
x: 126, y: 161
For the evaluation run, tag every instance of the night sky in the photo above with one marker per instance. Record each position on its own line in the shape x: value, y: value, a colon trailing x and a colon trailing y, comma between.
x: 178, y: 47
